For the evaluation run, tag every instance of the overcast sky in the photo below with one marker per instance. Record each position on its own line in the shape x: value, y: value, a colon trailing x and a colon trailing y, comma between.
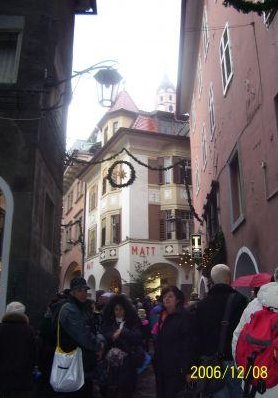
x: 142, y: 35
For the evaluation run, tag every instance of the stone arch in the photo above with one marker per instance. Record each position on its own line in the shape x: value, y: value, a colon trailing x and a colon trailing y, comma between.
x: 167, y: 274
x: 6, y: 241
x: 73, y: 270
x: 92, y: 284
x: 111, y: 280
x: 245, y: 264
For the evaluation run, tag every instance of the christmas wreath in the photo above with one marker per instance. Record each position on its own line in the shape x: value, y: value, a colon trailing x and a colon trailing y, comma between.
x: 249, y: 6
x: 121, y: 174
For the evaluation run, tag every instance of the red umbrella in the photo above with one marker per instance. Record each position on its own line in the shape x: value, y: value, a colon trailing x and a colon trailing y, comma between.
x: 254, y: 280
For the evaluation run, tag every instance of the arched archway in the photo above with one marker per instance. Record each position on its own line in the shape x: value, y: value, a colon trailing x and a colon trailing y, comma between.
x: 111, y: 281
x: 92, y: 284
x: 73, y: 270
x: 161, y: 275
x: 245, y: 264
x: 7, y: 206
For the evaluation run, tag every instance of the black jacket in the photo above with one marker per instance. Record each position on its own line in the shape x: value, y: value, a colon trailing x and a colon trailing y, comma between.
x: 17, y: 353
x: 76, y: 331
x: 175, y: 344
x: 209, y: 314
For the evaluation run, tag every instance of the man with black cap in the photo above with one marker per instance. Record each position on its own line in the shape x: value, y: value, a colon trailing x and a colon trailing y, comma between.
x: 75, y: 331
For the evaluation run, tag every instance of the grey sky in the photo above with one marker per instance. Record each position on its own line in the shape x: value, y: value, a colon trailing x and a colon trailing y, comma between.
x: 142, y: 35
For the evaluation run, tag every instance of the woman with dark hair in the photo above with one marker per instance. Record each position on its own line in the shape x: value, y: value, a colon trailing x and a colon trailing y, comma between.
x: 122, y: 329
x: 174, y: 344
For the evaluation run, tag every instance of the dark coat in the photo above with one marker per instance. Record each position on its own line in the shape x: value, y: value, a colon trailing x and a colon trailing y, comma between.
x: 17, y: 353
x: 75, y: 331
x: 129, y: 339
x: 209, y: 314
x: 174, y: 353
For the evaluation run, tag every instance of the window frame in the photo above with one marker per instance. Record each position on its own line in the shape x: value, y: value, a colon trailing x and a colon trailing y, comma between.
x: 223, y: 59
x: 204, y: 147
x: 235, y: 223
x: 91, y: 253
x: 205, y: 32
x: 211, y: 111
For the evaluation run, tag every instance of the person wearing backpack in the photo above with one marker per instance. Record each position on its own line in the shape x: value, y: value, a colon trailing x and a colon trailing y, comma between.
x: 210, y: 314
x: 257, y: 346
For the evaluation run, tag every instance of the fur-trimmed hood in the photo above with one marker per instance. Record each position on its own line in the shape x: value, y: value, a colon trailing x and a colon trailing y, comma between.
x: 268, y: 295
x: 14, y: 317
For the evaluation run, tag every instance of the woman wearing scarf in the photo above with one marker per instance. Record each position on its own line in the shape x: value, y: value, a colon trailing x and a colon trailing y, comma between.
x: 174, y: 345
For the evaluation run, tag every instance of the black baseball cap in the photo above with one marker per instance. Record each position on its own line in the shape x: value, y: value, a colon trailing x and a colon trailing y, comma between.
x: 78, y: 282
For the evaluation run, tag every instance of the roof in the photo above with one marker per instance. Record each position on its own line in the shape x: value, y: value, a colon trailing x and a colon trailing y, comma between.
x: 166, y: 83
x: 145, y: 123
x: 124, y: 101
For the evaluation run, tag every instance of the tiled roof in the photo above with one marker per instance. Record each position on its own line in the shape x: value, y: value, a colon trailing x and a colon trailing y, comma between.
x: 124, y: 101
x: 145, y: 123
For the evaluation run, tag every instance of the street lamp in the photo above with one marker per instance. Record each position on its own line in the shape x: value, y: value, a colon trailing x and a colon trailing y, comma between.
x: 108, y: 81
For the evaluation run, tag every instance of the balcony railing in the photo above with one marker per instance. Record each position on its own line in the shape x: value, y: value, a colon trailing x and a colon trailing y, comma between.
x: 108, y: 254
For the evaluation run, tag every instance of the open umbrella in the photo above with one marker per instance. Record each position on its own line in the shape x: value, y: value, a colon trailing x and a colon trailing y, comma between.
x: 254, y: 280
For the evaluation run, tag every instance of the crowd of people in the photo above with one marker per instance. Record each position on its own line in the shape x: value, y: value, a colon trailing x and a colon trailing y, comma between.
x: 119, y: 338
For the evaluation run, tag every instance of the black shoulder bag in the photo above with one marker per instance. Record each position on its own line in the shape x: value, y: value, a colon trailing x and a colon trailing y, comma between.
x: 212, y: 385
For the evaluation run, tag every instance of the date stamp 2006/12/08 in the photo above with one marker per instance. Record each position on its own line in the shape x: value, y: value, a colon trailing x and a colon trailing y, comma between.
x: 218, y: 372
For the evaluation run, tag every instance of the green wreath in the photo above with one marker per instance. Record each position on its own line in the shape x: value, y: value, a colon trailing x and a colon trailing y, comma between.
x: 249, y: 6
x: 110, y: 174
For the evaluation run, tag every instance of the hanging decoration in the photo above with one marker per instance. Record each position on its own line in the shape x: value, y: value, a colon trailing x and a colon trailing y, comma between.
x: 252, y: 6
x: 70, y: 159
x: 214, y: 254
x: 122, y: 174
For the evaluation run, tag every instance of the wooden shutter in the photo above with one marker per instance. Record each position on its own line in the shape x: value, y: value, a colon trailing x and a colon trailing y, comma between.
x: 153, y: 174
x: 154, y: 222
x: 161, y: 172
x: 162, y: 225
x: 118, y: 228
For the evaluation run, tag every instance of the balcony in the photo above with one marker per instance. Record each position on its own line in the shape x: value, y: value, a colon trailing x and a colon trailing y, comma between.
x: 109, y: 254
x: 173, y: 249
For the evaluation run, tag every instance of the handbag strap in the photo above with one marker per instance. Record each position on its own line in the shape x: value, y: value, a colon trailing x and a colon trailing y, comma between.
x: 225, y: 324
x: 58, y: 329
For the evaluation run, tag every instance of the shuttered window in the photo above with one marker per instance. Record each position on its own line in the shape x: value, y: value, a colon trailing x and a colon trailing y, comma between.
x: 92, y: 241
x: 103, y: 232
x: 154, y: 222
x: 93, y: 198
x: 182, y: 171
x: 184, y: 224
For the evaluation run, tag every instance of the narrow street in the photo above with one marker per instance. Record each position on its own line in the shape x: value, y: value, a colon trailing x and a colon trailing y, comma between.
x: 146, y: 384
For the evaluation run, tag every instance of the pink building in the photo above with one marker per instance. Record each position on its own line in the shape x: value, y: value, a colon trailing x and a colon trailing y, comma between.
x: 228, y: 84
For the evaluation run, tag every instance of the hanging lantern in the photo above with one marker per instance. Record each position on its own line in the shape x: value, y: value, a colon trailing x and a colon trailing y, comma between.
x: 108, y: 81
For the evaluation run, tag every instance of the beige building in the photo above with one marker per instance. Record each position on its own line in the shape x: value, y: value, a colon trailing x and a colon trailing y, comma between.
x: 147, y: 222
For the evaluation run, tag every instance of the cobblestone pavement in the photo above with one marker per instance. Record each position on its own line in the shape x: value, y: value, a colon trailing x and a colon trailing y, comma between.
x: 146, y: 384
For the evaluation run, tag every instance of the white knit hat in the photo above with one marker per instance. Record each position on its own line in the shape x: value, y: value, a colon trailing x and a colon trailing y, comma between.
x: 15, y: 307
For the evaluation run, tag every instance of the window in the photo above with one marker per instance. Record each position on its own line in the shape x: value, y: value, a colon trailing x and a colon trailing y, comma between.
x: 276, y: 109
x: 10, y: 47
x: 77, y: 229
x: 48, y: 221
x: 200, y: 78
x: 182, y: 171
x: 193, y: 116
x: 79, y: 189
x: 104, y: 183
x: 116, y: 228
x: 170, y: 97
x: 69, y: 200
x: 168, y: 173
x: 171, y: 108
x: 93, y: 198
x: 197, y: 178
x: 105, y: 135
x: 92, y: 241
x: 205, y: 32
x: 168, y: 224
x: 269, y: 16
x: 184, y: 224
x: 68, y: 237
x: 211, y: 213
x: 211, y: 112
x: 115, y: 127
x: 103, y: 232
x: 236, y: 189
x: 161, y: 98
x: 204, y: 147
x: 226, y: 59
